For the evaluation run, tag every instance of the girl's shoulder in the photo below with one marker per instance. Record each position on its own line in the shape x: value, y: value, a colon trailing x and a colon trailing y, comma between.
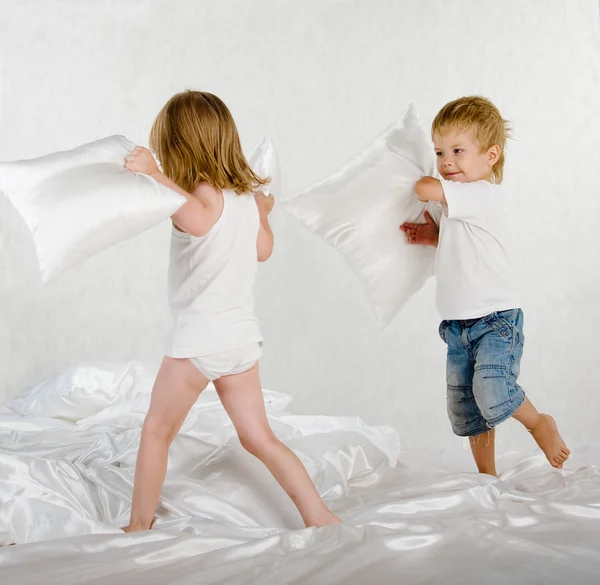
x: 206, y: 191
x: 211, y: 198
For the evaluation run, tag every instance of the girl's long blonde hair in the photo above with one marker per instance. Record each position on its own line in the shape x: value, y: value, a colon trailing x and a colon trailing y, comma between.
x: 196, y: 140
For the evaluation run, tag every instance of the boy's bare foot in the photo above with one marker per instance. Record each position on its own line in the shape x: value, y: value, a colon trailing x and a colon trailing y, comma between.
x: 546, y: 435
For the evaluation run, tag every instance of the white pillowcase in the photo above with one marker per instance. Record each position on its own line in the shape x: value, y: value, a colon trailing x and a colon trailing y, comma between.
x: 265, y: 163
x: 85, y: 389
x: 130, y: 410
x: 360, y: 208
x: 78, y: 202
x: 91, y: 392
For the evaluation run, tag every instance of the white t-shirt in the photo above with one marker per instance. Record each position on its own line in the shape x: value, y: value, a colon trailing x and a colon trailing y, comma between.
x: 211, y: 281
x: 473, y: 271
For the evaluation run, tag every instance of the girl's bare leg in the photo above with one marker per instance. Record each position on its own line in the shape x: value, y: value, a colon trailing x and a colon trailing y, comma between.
x: 175, y: 391
x: 242, y: 398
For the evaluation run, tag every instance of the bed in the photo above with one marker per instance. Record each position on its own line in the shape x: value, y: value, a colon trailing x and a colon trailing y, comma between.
x: 65, y: 488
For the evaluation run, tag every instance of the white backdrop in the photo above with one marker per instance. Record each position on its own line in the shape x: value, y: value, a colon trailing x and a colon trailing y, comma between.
x: 323, y: 78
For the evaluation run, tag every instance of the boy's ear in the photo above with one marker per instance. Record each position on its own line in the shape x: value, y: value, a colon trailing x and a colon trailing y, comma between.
x: 493, y: 154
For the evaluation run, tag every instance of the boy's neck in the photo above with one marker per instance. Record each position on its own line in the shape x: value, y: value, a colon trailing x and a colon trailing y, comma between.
x: 488, y: 179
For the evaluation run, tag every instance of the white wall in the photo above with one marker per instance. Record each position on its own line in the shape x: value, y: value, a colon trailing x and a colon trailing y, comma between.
x: 323, y: 78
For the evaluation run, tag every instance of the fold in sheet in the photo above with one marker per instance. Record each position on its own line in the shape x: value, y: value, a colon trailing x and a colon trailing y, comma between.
x: 65, y: 488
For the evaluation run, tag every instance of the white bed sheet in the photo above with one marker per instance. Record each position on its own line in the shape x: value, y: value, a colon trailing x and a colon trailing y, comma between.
x: 65, y: 489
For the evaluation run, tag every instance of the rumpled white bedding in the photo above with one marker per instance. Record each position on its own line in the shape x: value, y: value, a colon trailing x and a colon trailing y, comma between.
x: 65, y: 488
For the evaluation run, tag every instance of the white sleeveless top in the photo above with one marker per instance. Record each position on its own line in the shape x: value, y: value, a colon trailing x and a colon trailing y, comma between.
x: 211, y: 280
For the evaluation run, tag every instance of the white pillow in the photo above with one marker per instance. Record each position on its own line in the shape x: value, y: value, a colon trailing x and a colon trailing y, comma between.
x: 78, y: 202
x: 265, y: 163
x: 360, y: 208
x: 85, y: 389
x: 208, y: 400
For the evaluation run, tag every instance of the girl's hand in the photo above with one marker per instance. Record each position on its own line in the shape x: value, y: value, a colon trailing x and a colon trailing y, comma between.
x: 265, y: 202
x: 140, y: 160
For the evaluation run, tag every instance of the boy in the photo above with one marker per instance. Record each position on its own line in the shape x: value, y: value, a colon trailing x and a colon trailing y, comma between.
x: 476, y: 294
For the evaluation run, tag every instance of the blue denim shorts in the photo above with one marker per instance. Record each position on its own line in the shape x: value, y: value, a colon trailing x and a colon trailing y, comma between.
x: 484, y: 357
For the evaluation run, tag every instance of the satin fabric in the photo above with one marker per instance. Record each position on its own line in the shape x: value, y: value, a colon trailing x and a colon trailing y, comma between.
x: 65, y: 488
x: 85, y: 389
x: 359, y: 209
x: 265, y: 163
x: 60, y: 479
x: 79, y: 202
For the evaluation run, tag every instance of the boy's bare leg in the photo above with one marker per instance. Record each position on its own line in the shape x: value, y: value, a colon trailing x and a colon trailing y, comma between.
x: 483, y: 449
x: 545, y: 432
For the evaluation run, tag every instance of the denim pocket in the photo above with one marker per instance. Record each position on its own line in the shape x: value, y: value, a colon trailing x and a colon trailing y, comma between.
x: 502, y: 327
x: 493, y: 390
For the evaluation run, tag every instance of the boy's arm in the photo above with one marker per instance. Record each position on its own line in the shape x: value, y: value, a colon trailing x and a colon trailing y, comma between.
x: 265, y: 240
x: 430, y: 189
x: 193, y: 217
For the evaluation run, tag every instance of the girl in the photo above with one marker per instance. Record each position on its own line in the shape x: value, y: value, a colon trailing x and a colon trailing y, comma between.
x: 218, y: 237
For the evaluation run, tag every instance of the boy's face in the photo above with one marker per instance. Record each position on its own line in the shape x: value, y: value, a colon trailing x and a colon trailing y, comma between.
x: 460, y: 159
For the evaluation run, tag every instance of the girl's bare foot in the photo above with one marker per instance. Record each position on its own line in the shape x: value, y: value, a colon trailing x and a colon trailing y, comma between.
x: 329, y: 519
x: 136, y: 528
x: 546, y: 435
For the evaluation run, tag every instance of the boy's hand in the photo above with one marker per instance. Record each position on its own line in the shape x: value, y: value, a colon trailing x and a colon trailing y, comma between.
x: 265, y: 202
x: 425, y: 234
x: 140, y: 160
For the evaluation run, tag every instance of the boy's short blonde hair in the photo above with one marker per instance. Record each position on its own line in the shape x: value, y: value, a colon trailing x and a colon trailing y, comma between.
x: 196, y: 140
x: 480, y: 119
